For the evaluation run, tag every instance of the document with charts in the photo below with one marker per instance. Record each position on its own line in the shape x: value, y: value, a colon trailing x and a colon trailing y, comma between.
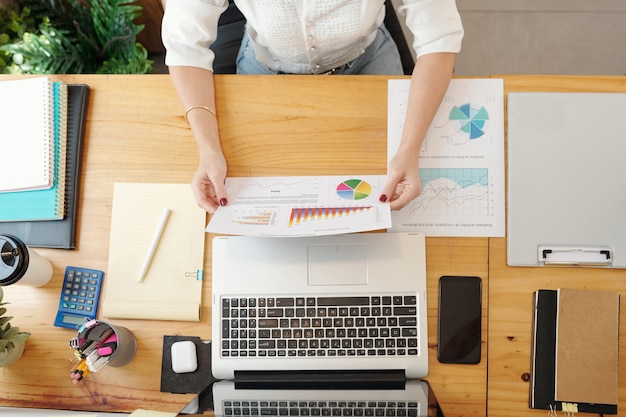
x: 461, y: 161
x: 302, y: 206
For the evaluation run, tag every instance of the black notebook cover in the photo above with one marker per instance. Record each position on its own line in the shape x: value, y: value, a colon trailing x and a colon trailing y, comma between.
x: 60, y: 234
x: 543, y: 358
x: 543, y: 349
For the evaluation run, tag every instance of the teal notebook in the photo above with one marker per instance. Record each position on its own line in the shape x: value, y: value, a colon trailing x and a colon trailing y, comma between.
x: 48, y: 204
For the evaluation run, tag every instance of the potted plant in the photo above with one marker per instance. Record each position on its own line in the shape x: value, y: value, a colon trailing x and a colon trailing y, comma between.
x: 11, y: 339
x: 71, y: 37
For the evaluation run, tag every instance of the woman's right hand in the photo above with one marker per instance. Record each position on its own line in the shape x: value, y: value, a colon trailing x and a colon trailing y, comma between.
x: 208, y: 181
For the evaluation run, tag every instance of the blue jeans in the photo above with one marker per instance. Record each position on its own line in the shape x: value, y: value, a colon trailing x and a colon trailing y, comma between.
x: 381, y: 57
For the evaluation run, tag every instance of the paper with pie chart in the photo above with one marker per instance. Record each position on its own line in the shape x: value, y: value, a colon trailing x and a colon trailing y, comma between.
x: 461, y: 161
x: 302, y: 206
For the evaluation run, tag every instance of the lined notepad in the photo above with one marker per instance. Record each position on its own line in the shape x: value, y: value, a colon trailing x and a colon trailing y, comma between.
x: 32, y: 153
x: 172, y: 286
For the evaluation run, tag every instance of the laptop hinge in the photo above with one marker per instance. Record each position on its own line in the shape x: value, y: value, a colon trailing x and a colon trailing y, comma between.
x: 344, y: 379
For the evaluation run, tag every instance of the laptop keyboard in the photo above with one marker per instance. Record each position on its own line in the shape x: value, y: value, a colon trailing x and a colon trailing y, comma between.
x: 320, y: 326
x: 320, y: 408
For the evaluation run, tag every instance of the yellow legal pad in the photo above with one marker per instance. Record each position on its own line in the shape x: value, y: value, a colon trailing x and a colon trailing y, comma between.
x: 172, y: 286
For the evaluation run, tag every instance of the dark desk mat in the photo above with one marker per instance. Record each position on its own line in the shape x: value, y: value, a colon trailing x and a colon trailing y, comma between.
x: 190, y: 382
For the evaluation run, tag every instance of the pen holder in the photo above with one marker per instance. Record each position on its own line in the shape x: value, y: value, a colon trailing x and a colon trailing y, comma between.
x: 100, y: 343
x: 126, y: 346
x: 21, y: 265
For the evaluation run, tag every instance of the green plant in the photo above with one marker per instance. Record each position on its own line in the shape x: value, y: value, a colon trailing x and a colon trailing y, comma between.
x: 9, y: 335
x: 73, y: 37
x: 13, y: 25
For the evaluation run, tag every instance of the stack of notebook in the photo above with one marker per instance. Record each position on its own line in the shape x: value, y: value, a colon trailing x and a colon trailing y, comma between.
x: 39, y: 168
x: 574, y: 356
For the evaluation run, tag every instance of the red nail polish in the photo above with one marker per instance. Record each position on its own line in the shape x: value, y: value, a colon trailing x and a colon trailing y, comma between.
x: 223, y: 202
x: 383, y: 198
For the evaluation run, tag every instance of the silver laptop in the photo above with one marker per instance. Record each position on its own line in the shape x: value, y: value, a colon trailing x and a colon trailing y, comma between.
x: 415, y: 398
x: 324, y: 303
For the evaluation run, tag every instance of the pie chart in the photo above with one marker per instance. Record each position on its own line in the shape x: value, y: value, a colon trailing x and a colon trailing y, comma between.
x: 472, y: 120
x: 354, y: 189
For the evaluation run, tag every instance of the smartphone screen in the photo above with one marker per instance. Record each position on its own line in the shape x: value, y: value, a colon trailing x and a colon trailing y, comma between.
x: 460, y: 314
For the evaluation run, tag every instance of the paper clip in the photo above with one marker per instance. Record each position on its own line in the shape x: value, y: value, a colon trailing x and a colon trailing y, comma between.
x: 75, y: 342
x: 551, y: 412
x: 198, y: 275
x: 87, y: 325
x: 570, y: 409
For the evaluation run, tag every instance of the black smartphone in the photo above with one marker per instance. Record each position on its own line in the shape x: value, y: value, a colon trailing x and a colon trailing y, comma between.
x: 460, y: 312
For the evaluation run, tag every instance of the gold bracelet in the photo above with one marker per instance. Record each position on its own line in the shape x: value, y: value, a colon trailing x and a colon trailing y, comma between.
x: 199, y: 106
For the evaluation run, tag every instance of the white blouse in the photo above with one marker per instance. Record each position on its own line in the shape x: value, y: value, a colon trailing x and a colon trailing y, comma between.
x: 305, y: 36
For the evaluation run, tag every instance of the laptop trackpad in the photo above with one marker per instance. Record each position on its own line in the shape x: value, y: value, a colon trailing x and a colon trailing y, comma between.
x: 337, y: 264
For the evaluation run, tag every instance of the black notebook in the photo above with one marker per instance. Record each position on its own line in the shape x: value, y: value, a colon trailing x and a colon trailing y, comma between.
x: 543, y: 359
x: 60, y: 234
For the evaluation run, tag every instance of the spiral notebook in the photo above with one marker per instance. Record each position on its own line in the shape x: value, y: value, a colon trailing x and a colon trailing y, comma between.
x: 61, y: 233
x: 34, y: 200
x: 26, y: 115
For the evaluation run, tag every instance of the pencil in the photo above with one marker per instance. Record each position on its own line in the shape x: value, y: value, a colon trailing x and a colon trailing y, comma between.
x: 155, y: 242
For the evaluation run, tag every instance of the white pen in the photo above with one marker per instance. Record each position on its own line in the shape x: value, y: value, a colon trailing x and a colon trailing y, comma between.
x: 155, y: 242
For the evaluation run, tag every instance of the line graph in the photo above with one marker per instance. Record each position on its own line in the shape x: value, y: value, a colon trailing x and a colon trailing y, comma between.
x: 461, y: 160
x: 453, y: 192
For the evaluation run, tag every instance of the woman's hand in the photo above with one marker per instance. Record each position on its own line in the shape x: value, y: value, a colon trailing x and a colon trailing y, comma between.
x: 208, y: 182
x: 403, y: 181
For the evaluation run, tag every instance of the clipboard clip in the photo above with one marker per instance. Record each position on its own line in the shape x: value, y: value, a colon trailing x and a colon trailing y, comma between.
x: 574, y: 256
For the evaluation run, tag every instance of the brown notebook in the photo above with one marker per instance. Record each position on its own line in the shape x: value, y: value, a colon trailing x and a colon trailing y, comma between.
x: 587, y: 346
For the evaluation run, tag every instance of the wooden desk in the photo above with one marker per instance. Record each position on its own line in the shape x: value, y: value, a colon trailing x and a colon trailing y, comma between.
x: 511, y: 288
x: 280, y: 125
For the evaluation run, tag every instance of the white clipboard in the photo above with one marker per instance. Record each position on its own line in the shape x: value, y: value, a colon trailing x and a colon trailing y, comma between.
x: 566, y: 179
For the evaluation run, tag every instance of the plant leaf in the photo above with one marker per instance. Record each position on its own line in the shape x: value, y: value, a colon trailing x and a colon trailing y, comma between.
x: 21, y: 337
x: 78, y: 36
x: 10, y: 334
